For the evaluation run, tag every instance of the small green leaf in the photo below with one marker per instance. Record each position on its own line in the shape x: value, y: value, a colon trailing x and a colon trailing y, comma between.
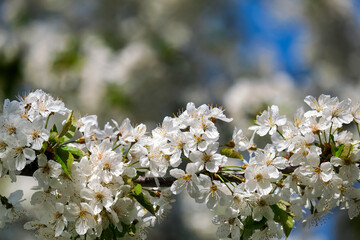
x: 54, y: 136
x: 73, y: 150
x: 145, y: 202
x: 69, y: 129
x: 66, y: 160
x: 70, y: 162
x: 44, y: 147
x: 287, y: 204
x: 346, y: 151
x: 54, y: 129
x: 339, y: 150
x: 283, y: 217
x: 69, y: 135
x: 137, y: 189
x: 250, y: 225
x: 231, y: 153
x: 281, y: 205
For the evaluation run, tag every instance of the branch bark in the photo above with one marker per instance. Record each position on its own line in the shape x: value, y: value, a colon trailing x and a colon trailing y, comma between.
x: 164, y: 181
x: 168, y: 181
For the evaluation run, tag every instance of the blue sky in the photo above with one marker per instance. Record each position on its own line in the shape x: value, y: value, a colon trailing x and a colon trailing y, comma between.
x: 263, y: 30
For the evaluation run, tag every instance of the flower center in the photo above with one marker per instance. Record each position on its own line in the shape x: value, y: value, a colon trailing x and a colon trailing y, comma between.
x: 3, y: 146
x: 206, y: 158
x: 82, y: 214
x: 261, y: 202
x: 35, y: 135
x: 11, y: 129
x: 317, y: 170
x: 187, y: 177
x: 99, y: 196
x: 259, y: 177
x: 106, y: 167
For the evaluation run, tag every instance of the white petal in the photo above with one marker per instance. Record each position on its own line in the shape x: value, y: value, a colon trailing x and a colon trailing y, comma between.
x: 178, y: 173
x: 223, y: 231
x: 178, y: 186
x: 257, y: 213
x: 29, y: 153
x: 263, y: 130
x: 212, y: 166
x: 268, y: 213
x: 81, y: 226
x: 20, y: 162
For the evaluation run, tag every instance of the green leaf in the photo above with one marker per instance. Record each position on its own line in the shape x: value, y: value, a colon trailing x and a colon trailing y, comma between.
x: 54, y: 136
x: 348, y: 147
x: 66, y: 160
x: 339, y: 150
x: 145, y: 202
x: 283, y: 217
x: 231, y: 153
x: 287, y: 204
x: 70, y: 162
x: 69, y: 135
x: 111, y: 232
x: 73, y: 150
x: 250, y: 225
x: 54, y: 129
x: 281, y: 205
x: 137, y: 189
x: 69, y: 129
x: 44, y: 147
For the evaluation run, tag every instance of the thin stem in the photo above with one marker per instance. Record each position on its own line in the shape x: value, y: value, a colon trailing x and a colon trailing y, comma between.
x: 117, y: 139
x: 228, y: 181
x: 318, y: 133
x: 231, y: 170
x: 357, y: 127
x: 133, y: 163
x: 47, y: 120
x: 330, y: 132
x: 116, y: 147
x: 230, y: 166
x: 275, y: 187
x: 236, y: 177
x: 125, y: 155
x: 277, y: 130
x: 146, y: 168
x: 64, y: 143
x: 225, y: 183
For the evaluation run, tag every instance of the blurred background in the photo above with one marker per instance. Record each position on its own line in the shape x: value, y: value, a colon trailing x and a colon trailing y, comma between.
x: 146, y: 59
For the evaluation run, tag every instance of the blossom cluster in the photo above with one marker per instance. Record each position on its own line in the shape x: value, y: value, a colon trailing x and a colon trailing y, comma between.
x: 90, y: 178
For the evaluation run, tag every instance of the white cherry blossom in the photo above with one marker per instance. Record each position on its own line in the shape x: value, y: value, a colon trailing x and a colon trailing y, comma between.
x: 268, y: 121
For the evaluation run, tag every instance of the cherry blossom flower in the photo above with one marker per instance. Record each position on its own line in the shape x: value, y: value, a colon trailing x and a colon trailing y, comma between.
x: 268, y: 121
x: 210, y: 160
x: 188, y: 180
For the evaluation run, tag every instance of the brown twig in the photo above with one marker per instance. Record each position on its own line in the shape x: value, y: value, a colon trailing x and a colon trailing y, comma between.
x: 166, y: 181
